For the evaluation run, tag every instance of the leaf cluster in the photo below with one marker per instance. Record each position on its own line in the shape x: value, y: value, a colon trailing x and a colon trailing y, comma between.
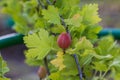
x: 3, y: 69
x: 41, y: 21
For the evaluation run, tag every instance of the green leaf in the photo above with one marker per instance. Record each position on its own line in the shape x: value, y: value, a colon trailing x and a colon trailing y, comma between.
x: 115, y: 51
x: 21, y: 29
x: 13, y: 7
x: 105, y: 45
x: 33, y: 62
x: 115, y: 64
x: 88, y: 71
x: 71, y: 78
x: 29, y: 7
x: 86, y: 57
x: 77, y: 32
x: 83, y: 44
x: 98, y: 78
x: 65, y: 6
x: 51, y: 14
x: 39, y: 44
x: 74, y: 21
x: 3, y: 67
x: 117, y: 76
x: 100, y: 66
x: 40, y: 23
x: 97, y: 56
x: 55, y: 76
x: 4, y: 78
x: 105, y: 57
x: 58, y: 29
x: 90, y: 14
x: 91, y: 32
x: 71, y: 67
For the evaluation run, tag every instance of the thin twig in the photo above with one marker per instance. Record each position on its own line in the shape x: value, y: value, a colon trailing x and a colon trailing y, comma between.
x: 46, y: 65
x: 40, y: 4
x: 64, y: 24
x: 48, y: 1
x: 78, y: 66
x: 94, y: 74
x: 104, y: 74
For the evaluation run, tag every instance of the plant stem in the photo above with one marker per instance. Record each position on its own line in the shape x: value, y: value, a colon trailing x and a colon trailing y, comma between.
x: 95, y: 73
x: 40, y: 4
x: 48, y: 1
x: 105, y: 73
x: 64, y: 24
x: 78, y: 66
x: 45, y: 59
x: 100, y: 75
x: 46, y: 65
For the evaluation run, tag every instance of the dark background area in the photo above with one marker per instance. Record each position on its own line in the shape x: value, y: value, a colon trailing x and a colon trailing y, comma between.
x: 109, y: 11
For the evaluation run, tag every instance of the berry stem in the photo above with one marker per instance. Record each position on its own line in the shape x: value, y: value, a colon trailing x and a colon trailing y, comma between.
x: 46, y: 65
x: 63, y: 51
x: 78, y: 66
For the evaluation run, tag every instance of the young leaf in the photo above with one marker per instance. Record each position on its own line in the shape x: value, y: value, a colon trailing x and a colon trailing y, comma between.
x: 100, y: 66
x: 40, y: 23
x: 58, y: 29
x: 71, y: 67
x: 86, y: 57
x: 56, y: 76
x: 88, y: 71
x: 52, y: 15
x: 3, y: 69
x: 117, y: 76
x: 83, y: 44
x: 33, y: 62
x: 65, y: 6
x: 74, y: 21
x: 91, y: 32
x: 39, y: 44
x: 4, y: 78
x: 115, y: 64
x: 58, y: 62
x: 105, y: 45
x: 90, y: 14
x: 13, y: 7
x: 21, y: 29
